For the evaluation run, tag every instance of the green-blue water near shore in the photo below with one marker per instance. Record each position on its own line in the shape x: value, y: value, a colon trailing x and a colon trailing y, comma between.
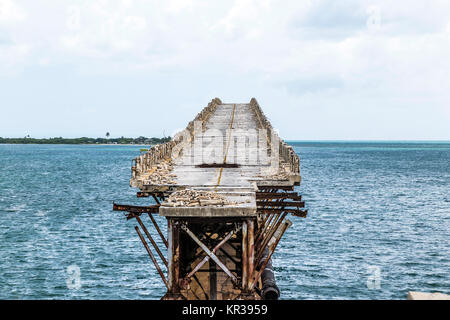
x: 372, y: 206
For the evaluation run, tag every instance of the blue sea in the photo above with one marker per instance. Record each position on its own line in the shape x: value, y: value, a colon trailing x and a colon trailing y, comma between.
x: 378, y: 223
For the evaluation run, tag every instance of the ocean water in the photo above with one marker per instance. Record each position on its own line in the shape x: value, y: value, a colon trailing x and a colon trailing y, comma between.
x: 378, y: 223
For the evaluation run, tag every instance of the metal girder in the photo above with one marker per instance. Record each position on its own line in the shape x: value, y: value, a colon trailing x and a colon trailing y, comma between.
x: 244, y: 255
x: 136, y: 209
x: 294, y: 212
x: 298, y: 204
x: 278, y: 195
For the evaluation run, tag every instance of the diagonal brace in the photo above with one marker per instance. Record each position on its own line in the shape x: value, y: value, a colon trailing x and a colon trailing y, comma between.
x: 209, y: 253
x: 216, y: 248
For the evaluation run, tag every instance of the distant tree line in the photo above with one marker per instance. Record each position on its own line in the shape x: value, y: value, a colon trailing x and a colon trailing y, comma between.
x: 84, y: 140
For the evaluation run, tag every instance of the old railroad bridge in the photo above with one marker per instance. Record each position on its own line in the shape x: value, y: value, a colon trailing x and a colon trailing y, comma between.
x: 225, y: 184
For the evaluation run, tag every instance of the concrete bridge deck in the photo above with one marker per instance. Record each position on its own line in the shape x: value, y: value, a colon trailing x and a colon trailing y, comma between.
x: 230, y: 149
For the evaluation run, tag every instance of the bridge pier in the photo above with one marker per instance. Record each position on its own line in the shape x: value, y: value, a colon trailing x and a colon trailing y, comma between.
x: 225, y: 218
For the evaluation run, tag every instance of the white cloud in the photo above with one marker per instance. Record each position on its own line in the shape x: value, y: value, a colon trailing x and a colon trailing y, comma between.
x: 309, y: 53
x: 10, y: 12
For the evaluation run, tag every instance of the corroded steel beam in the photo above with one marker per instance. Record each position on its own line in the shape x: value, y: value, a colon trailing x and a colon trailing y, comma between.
x: 264, y: 227
x: 294, y: 212
x: 272, y: 248
x: 141, y: 194
x: 269, y: 236
x: 159, y: 230
x: 278, y: 195
x: 174, y: 255
x: 136, y: 209
x: 152, y: 241
x: 244, y: 255
x: 152, y: 257
x: 281, y: 204
x: 251, y: 249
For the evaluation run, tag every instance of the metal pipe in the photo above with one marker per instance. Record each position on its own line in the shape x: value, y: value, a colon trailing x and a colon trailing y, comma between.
x: 152, y: 257
x: 269, y: 288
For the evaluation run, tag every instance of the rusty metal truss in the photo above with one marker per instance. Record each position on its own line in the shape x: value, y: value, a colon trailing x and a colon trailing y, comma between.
x: 239, y: 247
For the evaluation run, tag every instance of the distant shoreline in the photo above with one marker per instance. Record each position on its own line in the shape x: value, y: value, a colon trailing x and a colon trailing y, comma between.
x: 80, y: 144
x: 122, y: 141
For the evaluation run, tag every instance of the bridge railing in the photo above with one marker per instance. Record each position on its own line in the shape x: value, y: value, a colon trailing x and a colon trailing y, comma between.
x: 287, y: 153
x: 161, y: 152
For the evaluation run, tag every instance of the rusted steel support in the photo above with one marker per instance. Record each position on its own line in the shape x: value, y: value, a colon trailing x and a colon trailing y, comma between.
x: 152, y: 241
x: 155, y: 198
x: 209, y: 253
x: 152, y: 256
x: 269, y: 233
x: 300, y: 213
x: 159, y: 230
x: 278, y: 195
x: 143, y: 194
x: 280, y: 204
x: 295, y: 212
x: 271, y: 223
x: 269, y: 236
x: 244, y: 255
x: 135, y: 209
x: 269, y: 255
x: 174, y: 255
x: 251, y: 249
x: 206, y: 259
x: 264, y: 227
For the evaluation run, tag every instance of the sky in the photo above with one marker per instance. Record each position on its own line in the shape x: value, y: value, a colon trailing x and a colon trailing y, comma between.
x: 320, y: 69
